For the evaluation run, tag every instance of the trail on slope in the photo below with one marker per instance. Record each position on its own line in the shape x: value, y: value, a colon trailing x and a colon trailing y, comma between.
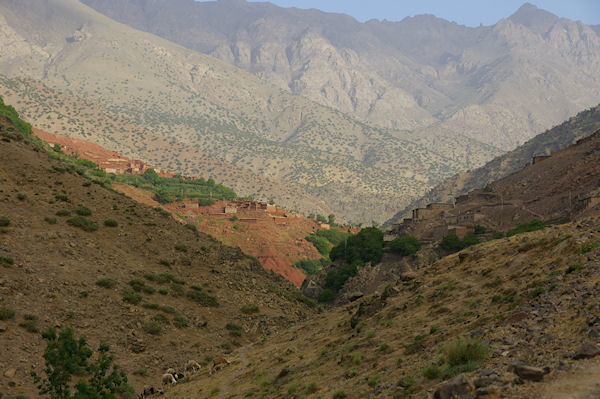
x: 226, y: 385
x: 581, y: 383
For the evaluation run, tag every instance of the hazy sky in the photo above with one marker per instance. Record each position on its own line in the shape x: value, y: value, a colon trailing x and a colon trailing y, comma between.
x: 465, y: 12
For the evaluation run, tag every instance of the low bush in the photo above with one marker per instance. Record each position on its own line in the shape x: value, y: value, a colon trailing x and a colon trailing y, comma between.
x: 30, y: 323
x: 152, y: 327
x: 6, y: 312
x: 6, y: 261
x: 180, y: 322
x: 532, y: 225
x: 83, y: 210
x: 106, y: 282
x: 181, y: 247
x: 130, y: 296
x: 234, y: 329
x: 83, y: 223
x: 50, y: 220
x: 4, y: 221
x: 250, y: 308
x: 111, y: 223
x: 63, y: 212
x: 202, y: 298
x: 464, y: 352
x: 432, y: 372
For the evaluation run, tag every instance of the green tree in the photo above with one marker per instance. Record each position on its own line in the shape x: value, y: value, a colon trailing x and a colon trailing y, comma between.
x: 151, y: 176
x: 331, y: 219
x: 67, y: 356
x: 405, y: 245
x: 321, y: 219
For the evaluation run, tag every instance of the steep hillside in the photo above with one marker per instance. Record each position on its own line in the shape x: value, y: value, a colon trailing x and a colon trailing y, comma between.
x: 70, y: 115
x: 498, y: 84
x: 557, y: 138
x: 74, y: 253
x: 529, y: 299
x: 192, y: 101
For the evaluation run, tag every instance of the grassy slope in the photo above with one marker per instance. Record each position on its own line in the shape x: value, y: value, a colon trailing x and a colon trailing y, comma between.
x: 521, y: 295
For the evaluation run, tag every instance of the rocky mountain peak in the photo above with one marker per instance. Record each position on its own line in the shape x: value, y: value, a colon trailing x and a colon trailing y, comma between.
x: 538, y: 20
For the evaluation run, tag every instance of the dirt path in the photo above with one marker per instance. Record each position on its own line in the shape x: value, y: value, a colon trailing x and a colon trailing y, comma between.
x: 226, y: 385
x: 580, y: 383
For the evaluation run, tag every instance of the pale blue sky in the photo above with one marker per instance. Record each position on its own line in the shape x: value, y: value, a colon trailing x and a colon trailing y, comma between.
x: 465, y: 12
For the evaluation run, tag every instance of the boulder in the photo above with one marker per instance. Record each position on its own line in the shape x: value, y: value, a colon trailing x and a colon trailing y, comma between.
x: 10, y: 373
x: 460, y: 387
x: 528, y: 372
x: 587, y: 351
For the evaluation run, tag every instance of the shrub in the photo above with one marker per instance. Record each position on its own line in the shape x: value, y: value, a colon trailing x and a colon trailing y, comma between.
x: 310, y: 266
x: 180, y: 322
x: 165, y: 262
x: 479, y: 229
x: 463, y: 351
x: 532, y: 225
x: 83, y: 210
x: 152, y: 327
x: 163, y: 291
x: 191, y: 227
x: 588, y: 246
x: 137, y: 284
x: 130, y: 296
x: 161, y: 318
x: 202, y: 298
x: 83, y: 223
x: 451, y: 242
x: 339, y: 395
x: 30, y: 323
x: 497, y: 234
x: 432, y: 372
x: 66, y: 357
x: 234, y: 329
x: 22, y: 196
x: 6, y: 261
x: 320, y: 243
x: 50, y: 220
x: 182, y: 247
x: 327, y: 295
x: 405, y: 245
x: 233, y: 218
x: 4, y: 221
x: 250, y: 308
x: 62, y: 197
x: 6, y: 312
x: 111, y: 223
x: 106, y: 282
x: 63, y: 212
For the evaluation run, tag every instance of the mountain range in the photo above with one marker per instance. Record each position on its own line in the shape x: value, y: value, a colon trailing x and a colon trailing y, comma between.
x: 359, y: 115
x: 497, y: 84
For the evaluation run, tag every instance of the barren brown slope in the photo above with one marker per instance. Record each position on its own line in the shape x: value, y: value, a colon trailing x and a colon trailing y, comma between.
x: 557, y: 138
x: 530, y: 298
x: 55, y: 269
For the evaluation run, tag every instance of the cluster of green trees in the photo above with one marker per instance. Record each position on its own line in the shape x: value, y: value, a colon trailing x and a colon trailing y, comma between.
x: 323, y: 241
x: 167, y: 189
x: 322, y: 219
x: 355, y: 251
x: 405, y: 245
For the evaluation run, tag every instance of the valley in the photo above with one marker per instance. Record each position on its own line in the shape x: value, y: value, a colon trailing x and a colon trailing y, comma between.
x: 231, y: 199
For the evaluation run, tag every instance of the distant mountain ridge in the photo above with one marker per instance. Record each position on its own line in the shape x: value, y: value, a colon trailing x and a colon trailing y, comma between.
x: 499, y: 84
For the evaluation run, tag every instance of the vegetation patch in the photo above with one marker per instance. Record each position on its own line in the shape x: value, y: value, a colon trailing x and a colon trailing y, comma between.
x: 83, y: 223
x: 250, y: 308
x: 106, y: 282
x: 405, y: 245
x: 202, y: 298
x: 527, y: 227
x: 6, y: 312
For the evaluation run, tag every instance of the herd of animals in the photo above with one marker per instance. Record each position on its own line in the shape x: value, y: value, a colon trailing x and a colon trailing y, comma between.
x: 171, y: 376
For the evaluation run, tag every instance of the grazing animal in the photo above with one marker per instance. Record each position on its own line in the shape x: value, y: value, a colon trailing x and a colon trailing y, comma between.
x: 178, y: 376
x: 191, y: 366
x: 218, y: 363
x: 170, y: 370
x: 168, y: 379
x: 149, y: 391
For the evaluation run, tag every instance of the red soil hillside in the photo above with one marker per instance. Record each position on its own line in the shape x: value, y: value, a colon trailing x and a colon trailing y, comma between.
x: 110, y: 161
x: 275, y: 236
